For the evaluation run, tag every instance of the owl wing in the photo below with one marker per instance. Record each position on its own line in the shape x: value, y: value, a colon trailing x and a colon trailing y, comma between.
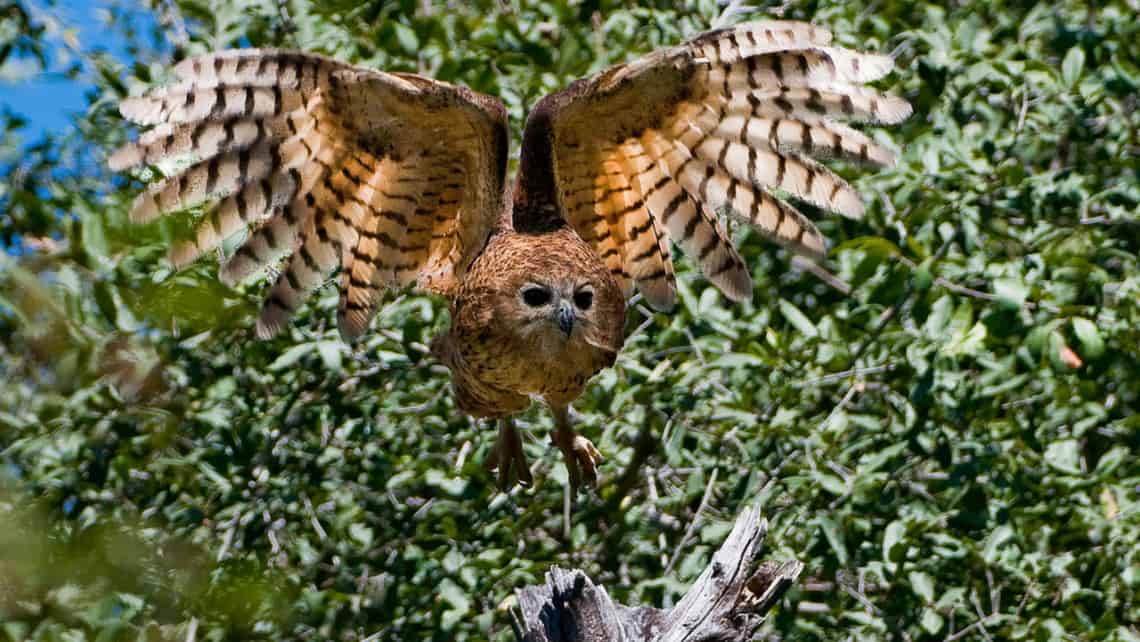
x: 651, y: 151
x: 395, y: 178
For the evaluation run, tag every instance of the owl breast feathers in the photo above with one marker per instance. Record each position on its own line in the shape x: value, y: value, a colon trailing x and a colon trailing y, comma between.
x: 396, y: 179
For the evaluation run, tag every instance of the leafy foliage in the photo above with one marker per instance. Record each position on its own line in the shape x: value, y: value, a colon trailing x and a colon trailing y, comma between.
x: 945, y: 431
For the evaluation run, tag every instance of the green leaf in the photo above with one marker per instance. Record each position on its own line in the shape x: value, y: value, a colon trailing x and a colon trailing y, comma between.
x: 454, y: 595
x: 830, y: 483
x: 922, y: 585
x: 967, y: 343
x: 798, y: 319
x: 952, y: 597
x: 932, y: 622
x: 876, y: 461
x: 105, y: 301
x: 1038, y: 339
x: 876, y: 246
x: 1111, y: 460
x: 1072, y: 66
x: 95, y: 236
x: 362, y: 534
x: 923, y: 278
x: 998, y: 537
x: 1092, y: 345
x: 291, y: 356
x: 834, y: 536
x: 407, y: 38
x: 331, y: 353
x: 1060, y: 355
x: 1064, y: 455
x: 893, y: 543
x: 1011, y: 292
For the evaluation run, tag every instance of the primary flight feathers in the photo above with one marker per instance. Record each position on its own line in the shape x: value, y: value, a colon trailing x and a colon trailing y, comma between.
x: 651, y: 150
x: 390, y: 177
x: 399, y: 179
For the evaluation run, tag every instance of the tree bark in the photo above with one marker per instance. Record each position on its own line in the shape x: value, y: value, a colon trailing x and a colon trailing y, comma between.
x: 727, y: 602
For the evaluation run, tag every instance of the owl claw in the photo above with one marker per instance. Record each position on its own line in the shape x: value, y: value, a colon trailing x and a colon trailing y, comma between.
x: 582, y: 457
x: 507, y: 457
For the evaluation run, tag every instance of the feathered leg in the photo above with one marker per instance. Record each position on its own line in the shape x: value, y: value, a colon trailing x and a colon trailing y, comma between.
x: 507, y: 455
x: 582, y: 458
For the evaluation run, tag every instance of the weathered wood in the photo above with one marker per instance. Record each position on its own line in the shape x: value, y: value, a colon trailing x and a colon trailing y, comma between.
x: 728, y: 601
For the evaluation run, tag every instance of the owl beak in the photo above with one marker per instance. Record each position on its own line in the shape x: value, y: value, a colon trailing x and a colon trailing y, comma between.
x: 566, y: 317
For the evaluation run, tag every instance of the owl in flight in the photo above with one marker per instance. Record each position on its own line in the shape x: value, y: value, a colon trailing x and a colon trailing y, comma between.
x: 396, y: 179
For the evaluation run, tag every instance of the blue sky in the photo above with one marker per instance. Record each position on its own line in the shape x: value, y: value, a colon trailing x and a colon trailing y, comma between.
x: 47, y: 98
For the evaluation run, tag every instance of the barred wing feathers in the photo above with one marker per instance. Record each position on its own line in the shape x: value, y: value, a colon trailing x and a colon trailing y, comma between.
x: 648, y: 152
x: 394, y: 178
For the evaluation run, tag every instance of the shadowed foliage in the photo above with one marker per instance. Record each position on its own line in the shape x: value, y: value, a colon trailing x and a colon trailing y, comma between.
x: 942, y: 426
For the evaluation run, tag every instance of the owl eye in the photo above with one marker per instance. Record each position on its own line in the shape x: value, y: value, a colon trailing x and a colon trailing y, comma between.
x: 584, y: 299
x: 535, y: 296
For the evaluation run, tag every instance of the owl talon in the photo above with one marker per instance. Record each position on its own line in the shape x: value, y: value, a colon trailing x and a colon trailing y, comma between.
x: 507, y: 457
x: 581, y: 461
x: 582, y: 457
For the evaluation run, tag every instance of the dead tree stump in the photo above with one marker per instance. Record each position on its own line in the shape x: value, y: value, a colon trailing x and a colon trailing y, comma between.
x: 727, y: 602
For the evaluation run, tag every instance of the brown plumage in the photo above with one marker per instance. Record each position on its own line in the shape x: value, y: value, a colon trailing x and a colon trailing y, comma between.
x: 399, y: 180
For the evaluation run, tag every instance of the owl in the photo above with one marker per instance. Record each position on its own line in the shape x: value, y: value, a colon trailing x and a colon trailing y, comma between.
x: 394, y: 180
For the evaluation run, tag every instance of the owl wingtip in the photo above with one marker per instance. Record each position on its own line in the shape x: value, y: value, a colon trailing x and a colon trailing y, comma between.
x: 183, y: 253
x: 661, y: 298
x: 350, y: 327
x: 228, y: 276
x: 124, y: 158
x: 238, y: 268
x: 896, y: 110
x: 269, y: 324
x: 144, y: 209
x: 737, y: 287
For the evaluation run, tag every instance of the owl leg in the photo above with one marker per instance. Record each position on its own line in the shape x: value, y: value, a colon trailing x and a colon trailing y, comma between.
x: 507, y: 454
x: 582, y: 458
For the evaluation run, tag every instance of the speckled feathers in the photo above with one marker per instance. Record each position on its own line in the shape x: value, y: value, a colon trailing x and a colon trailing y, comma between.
x: 499, y: 356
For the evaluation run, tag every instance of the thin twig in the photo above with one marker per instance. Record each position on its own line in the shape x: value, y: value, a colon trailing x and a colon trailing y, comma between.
x: 649, y: 320
x: 812, y: 607
x: 822, y: 274
x: 227, y: 539
x: 172, y: 16
x: 313, y: 518
x: 862, y: 599
x: 983, y: 618
x: 1023, y: 111
x: 995, y: 594
x: 856, y: 387
x: 693, y: 524
x: 1024, y: 599
x: 976, y: 294
x: 963, y: 632
x: 566, y: 511
x: 732, y: 9
x: 839, y: 376
x: 643, y: 447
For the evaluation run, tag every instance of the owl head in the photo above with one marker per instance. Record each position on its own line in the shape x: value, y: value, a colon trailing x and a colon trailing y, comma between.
x: 553, y: 304
x: 553, y: 298
x: 562, y: 295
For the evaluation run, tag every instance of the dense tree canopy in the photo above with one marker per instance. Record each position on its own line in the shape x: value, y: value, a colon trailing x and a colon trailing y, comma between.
x: 943, y: 425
